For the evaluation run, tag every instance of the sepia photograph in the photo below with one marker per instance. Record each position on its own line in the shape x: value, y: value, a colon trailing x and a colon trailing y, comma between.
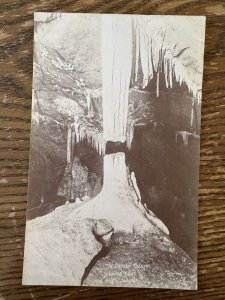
x: 114, y: 151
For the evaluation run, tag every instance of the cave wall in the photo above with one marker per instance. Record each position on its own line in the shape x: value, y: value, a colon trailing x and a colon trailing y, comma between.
x: 166, y: 168
x: 53, y: 181
x: 83, y: 177
x: 173, y: 107
x: 45, y: 173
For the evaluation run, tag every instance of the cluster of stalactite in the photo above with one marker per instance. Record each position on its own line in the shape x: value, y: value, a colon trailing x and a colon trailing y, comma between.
x: 164, y: 47
x: 169, y: 47
x: 76, y: 134
x: 185, y: 136
x: 161, y: 47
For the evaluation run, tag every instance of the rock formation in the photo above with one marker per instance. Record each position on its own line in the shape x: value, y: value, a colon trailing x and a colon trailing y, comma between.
x: 60, y: 246
x: 151, y: 260
x: 79, y: 182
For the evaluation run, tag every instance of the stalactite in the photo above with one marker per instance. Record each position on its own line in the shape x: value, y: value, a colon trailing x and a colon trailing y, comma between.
x: 130, y: 134
x: 116, y: 75
x: 185, y: 136
x: 192, y: 112
x: 137, y: 46
x: 73, y: 140
x: 88, y: 97
x: 92, y: 95
x: 157, y: 85
x: 35, y: 118
x: 69, y: 140
x: 42, y: 199
x: 162, y: 48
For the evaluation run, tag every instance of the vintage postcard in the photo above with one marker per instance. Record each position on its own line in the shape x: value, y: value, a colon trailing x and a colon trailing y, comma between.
x: 114, y: 154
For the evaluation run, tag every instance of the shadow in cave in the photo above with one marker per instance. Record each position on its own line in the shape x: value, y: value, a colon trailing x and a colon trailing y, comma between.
x: 166, y: 168
x: 103, y: 253
x: 167, y: 176
x: 115, y: 147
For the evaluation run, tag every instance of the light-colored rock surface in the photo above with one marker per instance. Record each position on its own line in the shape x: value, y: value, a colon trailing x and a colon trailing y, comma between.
x: 151, y: 260
x: 57, y: 250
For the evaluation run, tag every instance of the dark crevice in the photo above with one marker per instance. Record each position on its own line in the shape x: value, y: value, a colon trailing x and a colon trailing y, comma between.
x: 103, y: 253
x: 115, y: 147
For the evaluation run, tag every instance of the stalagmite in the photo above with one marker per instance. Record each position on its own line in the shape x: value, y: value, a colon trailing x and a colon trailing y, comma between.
x: 115, y: 173
x: 117, y: 202
x: 78, y: 200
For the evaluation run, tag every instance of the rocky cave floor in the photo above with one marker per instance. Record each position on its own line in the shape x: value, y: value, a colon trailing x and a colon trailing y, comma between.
x: 142, y: 261
x: 64, y: 249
